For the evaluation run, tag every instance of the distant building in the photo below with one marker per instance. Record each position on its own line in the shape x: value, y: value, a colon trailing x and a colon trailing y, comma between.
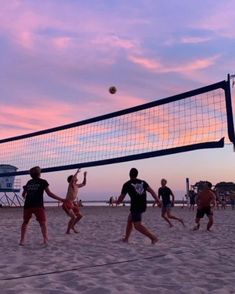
x: 9, y: 187
x: 7, y: 183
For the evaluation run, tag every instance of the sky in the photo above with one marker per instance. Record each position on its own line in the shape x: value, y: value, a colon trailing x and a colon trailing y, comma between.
x: 58, y: 59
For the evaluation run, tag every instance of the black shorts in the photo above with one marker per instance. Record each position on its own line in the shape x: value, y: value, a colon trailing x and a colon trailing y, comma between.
x: 136, y: 216
x: 202, y: 211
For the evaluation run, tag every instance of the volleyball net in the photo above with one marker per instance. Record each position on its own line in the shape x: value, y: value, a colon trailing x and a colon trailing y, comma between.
x: 197, y: 119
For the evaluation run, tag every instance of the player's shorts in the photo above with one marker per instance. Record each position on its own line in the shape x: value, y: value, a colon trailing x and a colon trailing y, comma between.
x: 166, y: 208
x: 136, y: 216
x: 68, y: 206
x: 76, y: 209
x: 39, y: 212
x: 202, y: 211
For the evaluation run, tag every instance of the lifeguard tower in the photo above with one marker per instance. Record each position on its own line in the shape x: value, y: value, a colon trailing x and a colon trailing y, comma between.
x: 9, y: 187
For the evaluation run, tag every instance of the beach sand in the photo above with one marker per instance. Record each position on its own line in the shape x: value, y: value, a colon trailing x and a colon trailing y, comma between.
x: 95, y: 261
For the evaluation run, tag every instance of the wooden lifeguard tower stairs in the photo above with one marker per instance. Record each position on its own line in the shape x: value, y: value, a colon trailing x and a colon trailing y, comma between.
x: 9, y: 188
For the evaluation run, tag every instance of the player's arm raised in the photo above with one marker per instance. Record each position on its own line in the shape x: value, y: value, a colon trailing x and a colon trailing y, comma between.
x: 84, y: 181
x: 74, y: 179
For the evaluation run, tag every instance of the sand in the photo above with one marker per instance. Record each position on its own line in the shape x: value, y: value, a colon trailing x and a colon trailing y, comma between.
x: 95, y: 261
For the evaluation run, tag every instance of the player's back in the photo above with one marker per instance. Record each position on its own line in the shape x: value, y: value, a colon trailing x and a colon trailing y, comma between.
x: 205, y: 198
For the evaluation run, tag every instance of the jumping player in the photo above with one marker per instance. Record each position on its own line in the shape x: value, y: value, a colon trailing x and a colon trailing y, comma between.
x: 70, y: 205
x: 167, y: 204
x: 136, y: 189
x: 205, y: 199
x: 33, y: 195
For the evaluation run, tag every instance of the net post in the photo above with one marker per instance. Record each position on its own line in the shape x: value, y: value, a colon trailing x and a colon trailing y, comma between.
x: 187, y: 190
x: 229, y: 111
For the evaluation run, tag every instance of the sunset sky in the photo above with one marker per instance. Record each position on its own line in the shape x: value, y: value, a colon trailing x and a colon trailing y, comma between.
x: 58, y: 59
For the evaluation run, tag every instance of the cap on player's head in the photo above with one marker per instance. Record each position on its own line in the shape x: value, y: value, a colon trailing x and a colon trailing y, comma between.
x: 163, y: 182
x: 133, y: 173
x: 69, y: 179
x: 35, y: 172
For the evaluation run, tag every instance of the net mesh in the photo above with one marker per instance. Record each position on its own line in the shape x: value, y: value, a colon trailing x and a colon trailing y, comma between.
x: 196, y: 119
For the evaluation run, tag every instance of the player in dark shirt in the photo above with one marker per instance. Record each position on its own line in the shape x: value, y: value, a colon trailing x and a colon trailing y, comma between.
x: 165, y: 193
x: 136, y: 189
x: 33, y: 194
x: 192, y: 197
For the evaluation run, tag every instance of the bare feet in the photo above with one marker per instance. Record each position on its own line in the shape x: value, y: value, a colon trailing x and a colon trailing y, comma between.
x: 196, y: 227
x: 75, y: 231
x: 171, y: 225
x: 125, y: 240
x: 21, y: 243
x: 45, y: 241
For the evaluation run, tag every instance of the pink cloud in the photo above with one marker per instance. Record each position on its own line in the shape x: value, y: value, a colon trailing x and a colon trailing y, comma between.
x: 186, y: 40
x: 20, y: 119
x: 146, y: 63
x: 194, y: 40
x: 26, y: 39
x: 221, y: 21
x: 62, y: 42
x: 160, y: 67
x: 108, y: 41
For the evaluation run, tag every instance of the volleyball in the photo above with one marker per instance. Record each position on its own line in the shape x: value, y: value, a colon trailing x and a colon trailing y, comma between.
x: 112, y: 90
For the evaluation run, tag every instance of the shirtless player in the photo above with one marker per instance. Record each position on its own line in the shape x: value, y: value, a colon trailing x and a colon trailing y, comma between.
x: 205, y: 199
x: 70, y: 205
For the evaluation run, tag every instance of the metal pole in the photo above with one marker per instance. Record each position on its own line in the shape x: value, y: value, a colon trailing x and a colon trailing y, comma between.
x: 187, y: 190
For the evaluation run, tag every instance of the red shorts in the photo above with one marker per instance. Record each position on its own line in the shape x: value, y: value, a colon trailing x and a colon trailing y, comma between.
x: 76, y: 209
x: 68, y: 205
x: 38, y: 211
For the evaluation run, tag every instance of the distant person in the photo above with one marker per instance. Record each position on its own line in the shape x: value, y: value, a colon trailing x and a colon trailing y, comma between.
x: 137, y: 189
x: 217, y: 200
x: 34, y: 204
x: 205, y: 199
x: 111, y: 200
x: 223, y: 201
x: 115, y: 200
x: 232, y: 200
x: 80, y: 204
x: 192, y: 197
x: 165, y: 194
x: 70, y: 206
x: 184, y: 199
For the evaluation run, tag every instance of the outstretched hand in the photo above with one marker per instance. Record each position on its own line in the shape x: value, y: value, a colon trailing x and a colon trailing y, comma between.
x: 159, y: 204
